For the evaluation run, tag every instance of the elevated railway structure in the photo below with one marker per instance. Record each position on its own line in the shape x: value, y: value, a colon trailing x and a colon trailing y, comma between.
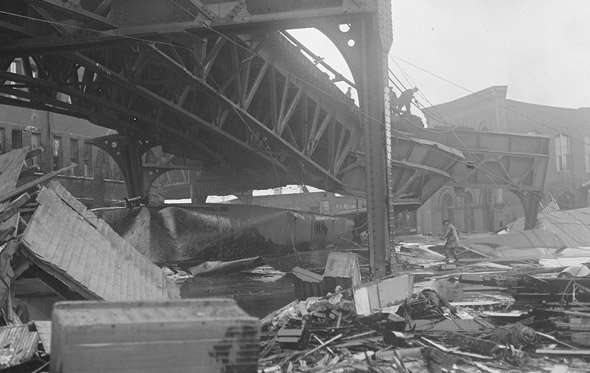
x: 219, y: 87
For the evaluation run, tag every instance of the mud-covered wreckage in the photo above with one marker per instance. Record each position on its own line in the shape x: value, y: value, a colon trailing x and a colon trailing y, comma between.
x: 190, y: 235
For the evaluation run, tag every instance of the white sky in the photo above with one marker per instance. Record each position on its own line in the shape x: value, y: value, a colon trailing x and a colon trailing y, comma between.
x: 539, y: 48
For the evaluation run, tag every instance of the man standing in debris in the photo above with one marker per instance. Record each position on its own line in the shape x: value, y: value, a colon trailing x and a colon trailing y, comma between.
x: 405, y: 99
x: 452, y: 240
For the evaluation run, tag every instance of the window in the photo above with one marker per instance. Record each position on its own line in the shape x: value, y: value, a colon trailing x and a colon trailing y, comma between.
x: 115, y: 174
x: 2, y: 141
x: 74, y: 156
x: 87, y: 160
x: 16, y: 67
x: 562, y: 153
x: 17, y: 139
x: 57, y: 153
x: 469, y: 212
x: 447, y: 210
x: 35, y: 143
x: 106, y: 167
x: 587, y: 153
x: 64, y: 98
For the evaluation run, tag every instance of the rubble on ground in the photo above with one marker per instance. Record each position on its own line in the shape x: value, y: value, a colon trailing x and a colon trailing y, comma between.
x: 53, y: 249
x: 466, y: 317
x: 513, y: 302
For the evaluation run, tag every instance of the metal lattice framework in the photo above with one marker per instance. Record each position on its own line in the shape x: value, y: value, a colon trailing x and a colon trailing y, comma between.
x: 237, y: 108
x: 217, y: 82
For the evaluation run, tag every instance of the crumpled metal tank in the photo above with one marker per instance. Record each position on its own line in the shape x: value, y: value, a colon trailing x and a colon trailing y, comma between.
x: 190, y: 234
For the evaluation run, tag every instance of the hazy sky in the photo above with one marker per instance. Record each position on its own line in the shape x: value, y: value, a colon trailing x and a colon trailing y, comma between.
x: 539, y: 48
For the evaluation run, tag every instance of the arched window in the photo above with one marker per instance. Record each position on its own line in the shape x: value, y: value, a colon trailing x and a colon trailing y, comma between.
x: 446, y: 207
x: 469, y: 212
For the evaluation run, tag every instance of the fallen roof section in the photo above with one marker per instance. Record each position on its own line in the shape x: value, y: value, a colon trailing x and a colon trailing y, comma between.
x: 18, y: 344
x: 11, y: 165
x: 572, y: 226
x: 71, y: 244
x: 558, y: 236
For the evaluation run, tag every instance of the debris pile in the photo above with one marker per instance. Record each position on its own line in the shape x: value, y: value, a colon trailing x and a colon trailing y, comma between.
x: 459, y: 318
x: 52, y: 249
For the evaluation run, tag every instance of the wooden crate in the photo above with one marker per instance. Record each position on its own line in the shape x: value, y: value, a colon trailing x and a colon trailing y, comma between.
x: 342, y: 269
x: 193, y: 335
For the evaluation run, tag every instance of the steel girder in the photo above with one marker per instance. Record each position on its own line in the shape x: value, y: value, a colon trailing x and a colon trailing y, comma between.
x: 514, y: 162
x: 228, y: 88
x: 161, y: 69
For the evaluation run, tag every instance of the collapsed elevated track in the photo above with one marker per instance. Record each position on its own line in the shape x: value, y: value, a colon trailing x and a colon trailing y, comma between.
x: 218, y: 84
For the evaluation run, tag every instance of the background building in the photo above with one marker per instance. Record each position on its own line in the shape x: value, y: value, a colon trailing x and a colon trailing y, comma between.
x: 568, y: 173
x: 96, y: 181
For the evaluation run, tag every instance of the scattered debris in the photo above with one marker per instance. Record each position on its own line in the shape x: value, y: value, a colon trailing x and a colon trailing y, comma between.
x: 477, y: 315
x: 18, y: 345
x: 496, y: 310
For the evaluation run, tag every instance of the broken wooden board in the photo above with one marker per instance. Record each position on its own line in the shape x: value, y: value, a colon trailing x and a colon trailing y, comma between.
x: 196, y: 335
x: 11, y: 165
x: 69, y: 243
x: 224, y: 267
x: 562, y: 352
x: 450, y: 325
x: 44, y: 330
x: 379, y: 294
x: 471, y: 344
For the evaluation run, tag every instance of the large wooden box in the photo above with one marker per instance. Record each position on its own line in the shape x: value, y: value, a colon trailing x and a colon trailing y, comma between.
x: 342, y: 269
x: 196, y: 335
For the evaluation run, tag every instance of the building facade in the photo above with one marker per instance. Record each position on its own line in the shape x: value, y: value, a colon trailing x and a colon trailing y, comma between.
x: 568, y: 172
x: 96, y: 181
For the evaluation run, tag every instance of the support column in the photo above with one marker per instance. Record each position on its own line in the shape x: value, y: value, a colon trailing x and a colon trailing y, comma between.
x: 197, y: 189
x: 377, y: 139
x: 530, y: 202
x: 127, y: 151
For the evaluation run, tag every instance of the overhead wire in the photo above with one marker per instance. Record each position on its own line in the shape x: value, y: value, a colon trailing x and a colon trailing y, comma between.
x: 496, y: 103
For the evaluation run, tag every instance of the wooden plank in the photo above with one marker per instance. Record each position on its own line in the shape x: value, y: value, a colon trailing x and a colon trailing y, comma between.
x: 458, y: 325
x: 562, y: 352
x: 205, y: 335
x: 31, y: 184
x: 14, y: 206
x: 44, y: 330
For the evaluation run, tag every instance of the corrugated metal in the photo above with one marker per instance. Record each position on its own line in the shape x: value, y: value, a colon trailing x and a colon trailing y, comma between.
x: 83, y: 251
x: 17, y: 345
x: 193, y: 234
